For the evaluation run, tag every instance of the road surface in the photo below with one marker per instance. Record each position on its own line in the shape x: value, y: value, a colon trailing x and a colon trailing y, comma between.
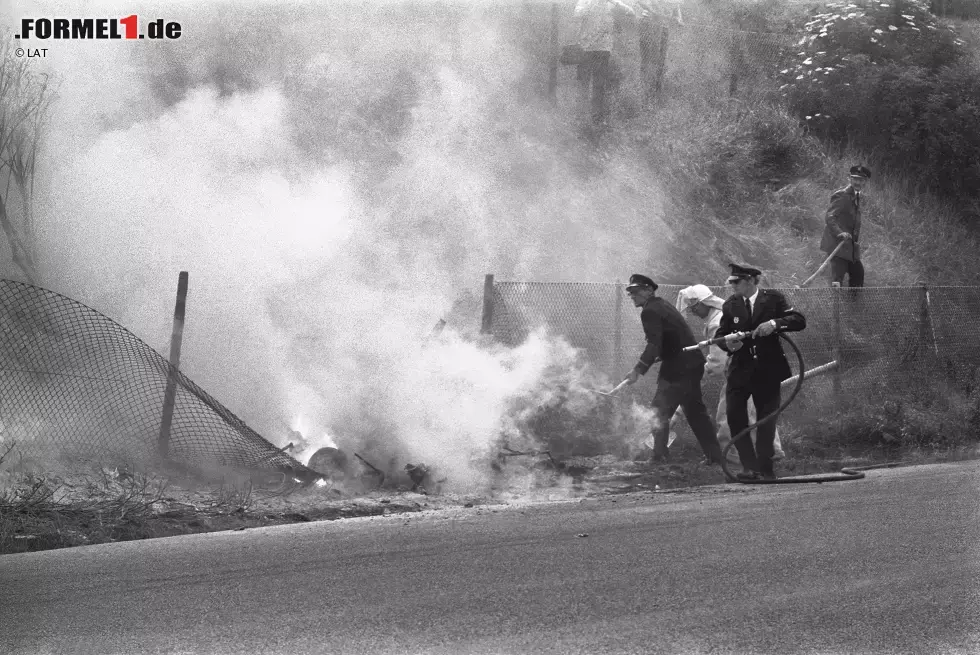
x: 889, y: 564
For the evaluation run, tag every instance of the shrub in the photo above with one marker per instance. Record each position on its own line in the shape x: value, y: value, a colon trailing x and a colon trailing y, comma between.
x: 897, y: 86
x: 885, y: 32
x: 765, y: 149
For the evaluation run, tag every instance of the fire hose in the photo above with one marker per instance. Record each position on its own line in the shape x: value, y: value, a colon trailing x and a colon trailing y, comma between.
x: 849, y: 473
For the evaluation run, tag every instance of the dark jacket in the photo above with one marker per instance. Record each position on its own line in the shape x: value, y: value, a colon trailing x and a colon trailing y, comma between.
x: 667, y: 332
x: 844, y: 215
x: 764, y: 354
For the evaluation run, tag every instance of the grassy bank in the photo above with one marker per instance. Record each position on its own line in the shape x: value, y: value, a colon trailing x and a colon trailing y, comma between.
x: 745, y: 181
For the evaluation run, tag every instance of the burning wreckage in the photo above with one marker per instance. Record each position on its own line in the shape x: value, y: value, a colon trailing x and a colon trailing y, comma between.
x: 336, y: 466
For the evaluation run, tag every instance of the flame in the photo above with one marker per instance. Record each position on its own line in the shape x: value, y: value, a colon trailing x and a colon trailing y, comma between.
x: 307, y: 446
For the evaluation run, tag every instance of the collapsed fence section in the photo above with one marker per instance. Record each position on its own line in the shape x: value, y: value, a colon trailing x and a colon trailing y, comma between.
x: 892, y: 348
x: 74, y: 383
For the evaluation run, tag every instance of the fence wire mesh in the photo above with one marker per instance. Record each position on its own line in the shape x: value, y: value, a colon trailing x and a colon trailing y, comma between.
x: 73, y: 383
x: 890, y: 344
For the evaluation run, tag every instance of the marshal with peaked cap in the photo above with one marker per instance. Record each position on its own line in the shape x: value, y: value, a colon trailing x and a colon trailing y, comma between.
x: 742, y: 272
x: 861, y: 171
x: 637, y: 281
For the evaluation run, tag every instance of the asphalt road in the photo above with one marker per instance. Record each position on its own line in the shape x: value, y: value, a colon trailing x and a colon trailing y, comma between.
x: 889, y: 564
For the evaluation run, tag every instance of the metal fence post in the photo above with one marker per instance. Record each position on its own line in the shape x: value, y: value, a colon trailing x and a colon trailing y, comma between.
x: 487, y: 326
x: 170, y: 395
x: 927, y: 331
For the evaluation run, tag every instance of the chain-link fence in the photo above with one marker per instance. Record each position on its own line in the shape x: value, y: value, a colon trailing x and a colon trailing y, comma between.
x: 890, y: 344
x: 73, y: 383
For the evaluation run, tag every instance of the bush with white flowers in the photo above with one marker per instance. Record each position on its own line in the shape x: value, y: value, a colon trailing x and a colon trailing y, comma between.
x: 892, y: 80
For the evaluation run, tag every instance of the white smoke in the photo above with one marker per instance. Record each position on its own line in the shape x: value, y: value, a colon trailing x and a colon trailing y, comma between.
x: 332, y: 187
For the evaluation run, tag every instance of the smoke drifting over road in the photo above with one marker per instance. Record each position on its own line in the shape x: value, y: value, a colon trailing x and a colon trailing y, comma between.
x: 334, y: 178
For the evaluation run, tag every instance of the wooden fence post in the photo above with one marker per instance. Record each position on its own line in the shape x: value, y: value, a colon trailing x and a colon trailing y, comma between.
x: 170, y: 395
x: 838, y: 355
x: 662, y: 48
x: 487, y: 326
x: 617, y: 331
x: 553, y: 56
x: 736, y: 62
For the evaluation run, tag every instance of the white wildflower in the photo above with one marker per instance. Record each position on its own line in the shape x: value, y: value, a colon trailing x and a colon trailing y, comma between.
x: 893, y: 28
x: 874, y: 40
x: 878, y: 32
x: 807, y: 61
x: 907, y: 17
x: 799, y: 77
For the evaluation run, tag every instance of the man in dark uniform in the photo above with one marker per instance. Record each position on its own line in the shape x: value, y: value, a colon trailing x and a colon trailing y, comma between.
x: 758, y: 364
x: 843, y: 223
x: 679, y: 380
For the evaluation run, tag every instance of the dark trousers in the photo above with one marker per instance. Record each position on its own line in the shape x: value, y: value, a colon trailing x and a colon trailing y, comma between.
x: 839, y: 267
x: 686, y: 394
x: 765, y: 393
x: 594, y: 74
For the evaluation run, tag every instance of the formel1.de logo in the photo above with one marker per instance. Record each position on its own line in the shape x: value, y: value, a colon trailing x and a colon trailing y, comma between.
x: 97, y: 28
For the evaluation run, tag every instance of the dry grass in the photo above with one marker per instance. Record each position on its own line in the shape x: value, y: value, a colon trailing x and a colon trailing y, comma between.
x: 52, y: 504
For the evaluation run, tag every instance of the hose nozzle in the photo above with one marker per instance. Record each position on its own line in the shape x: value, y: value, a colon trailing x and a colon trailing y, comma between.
x: 734, y: 336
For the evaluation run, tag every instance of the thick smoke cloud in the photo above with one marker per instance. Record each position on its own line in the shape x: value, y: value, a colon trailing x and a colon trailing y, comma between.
x: 334, y: 179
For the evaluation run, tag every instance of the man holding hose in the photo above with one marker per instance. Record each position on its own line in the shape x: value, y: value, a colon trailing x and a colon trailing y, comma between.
x: 758, y: 364
x: 700, y: 301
